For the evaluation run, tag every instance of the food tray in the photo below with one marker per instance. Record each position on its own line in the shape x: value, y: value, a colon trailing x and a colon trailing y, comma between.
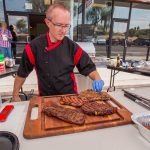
x: 142, y: 121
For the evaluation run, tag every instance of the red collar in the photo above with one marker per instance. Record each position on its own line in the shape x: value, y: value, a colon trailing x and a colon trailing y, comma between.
x: 50, y: 45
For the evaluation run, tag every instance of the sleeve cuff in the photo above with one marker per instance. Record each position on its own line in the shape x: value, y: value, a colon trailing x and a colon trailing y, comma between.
x: 87, y: 72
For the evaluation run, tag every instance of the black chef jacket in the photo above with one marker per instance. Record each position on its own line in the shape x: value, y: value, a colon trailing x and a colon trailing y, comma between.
x: 54, y: 64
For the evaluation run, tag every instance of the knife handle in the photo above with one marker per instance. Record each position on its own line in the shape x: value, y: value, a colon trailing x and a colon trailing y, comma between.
x: 130, y: 96
x: 5, y: 112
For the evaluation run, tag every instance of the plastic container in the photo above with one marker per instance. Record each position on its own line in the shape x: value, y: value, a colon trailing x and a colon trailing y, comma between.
x: 142, y: 121
x: 2, y: 62
x: 8, y: 141
x: 9, y: 63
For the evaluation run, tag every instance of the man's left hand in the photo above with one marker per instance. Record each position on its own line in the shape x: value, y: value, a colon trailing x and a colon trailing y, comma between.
x: 98, y: 85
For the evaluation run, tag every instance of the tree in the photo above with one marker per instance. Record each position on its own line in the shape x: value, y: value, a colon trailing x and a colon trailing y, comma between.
x: 105, y: 18
x: 136, y: 31
x: 98, y: 14
x: 21, y: 24
x: 93, y: 15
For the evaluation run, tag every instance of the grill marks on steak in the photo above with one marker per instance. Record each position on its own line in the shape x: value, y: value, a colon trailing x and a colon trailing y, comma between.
x: 65, y: 114
x: 94, y: 96
x: 86, y: 100
x: 98, y: 109
x: 72, y: 101
x: 83, y: 97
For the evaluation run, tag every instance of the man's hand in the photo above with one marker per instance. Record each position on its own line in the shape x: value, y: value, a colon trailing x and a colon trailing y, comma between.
x: 16, y: 98
x: 98, y: 85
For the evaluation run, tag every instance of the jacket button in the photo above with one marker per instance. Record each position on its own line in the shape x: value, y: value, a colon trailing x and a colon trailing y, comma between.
x: 46, y: 62
x: 48, y: 74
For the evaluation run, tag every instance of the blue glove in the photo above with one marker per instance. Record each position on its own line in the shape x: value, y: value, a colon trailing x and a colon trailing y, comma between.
x: 98, y: 85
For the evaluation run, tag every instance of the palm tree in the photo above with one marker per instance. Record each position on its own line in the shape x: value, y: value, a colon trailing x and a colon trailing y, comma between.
x: 102, y: 15
x: 105, y: 18
x: 93, y: 15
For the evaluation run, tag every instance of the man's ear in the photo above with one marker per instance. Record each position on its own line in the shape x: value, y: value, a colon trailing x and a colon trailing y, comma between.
x: 46, y: 22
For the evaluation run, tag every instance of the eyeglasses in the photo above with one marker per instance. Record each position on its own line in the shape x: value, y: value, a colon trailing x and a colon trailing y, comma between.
x: 60, y: 26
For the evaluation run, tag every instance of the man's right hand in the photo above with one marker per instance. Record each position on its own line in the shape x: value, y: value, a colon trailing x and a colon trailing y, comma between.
x: 16, y: 98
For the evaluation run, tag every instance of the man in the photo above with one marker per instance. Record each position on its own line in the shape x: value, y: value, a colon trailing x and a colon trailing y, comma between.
x: 54, y: 57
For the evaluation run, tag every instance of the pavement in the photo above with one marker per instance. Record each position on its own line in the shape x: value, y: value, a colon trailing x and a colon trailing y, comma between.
x: 122, y: 80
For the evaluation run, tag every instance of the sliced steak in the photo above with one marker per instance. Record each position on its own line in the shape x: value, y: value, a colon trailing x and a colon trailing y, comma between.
x: 94, y: 96
x: 65, y: 114
x: 72, y: 101
x: 101, y: 109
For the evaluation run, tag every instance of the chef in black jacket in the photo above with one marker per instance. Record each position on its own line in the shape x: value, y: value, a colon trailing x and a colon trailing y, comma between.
x: 54, y: 56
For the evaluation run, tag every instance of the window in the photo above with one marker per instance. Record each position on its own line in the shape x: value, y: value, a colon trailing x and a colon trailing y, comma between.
x: 119, y: 28
x: 139, y: 31
x: 21, y: 24
x: 1, y: 11
x: 27, y: 5
x: 77, y: 19
x: 121, y: 10
x: 97, y: 25
x: 140, y: 22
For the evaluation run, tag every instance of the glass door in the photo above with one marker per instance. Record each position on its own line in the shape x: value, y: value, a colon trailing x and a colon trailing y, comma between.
x: 20, y: 24
x: 21, y: 27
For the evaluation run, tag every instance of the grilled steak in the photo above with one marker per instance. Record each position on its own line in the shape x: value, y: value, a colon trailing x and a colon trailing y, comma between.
x: 101, y: 109
x: 72, y: 101
x: 65, y: 114
x: 94, y: 96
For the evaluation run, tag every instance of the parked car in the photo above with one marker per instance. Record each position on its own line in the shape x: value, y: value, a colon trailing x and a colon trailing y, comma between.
x: 94, y: 40
x: 115, y: 42
x: 129, y: 42
x: 142, y: 42
x: 88, y: 39
x: 101, y: 41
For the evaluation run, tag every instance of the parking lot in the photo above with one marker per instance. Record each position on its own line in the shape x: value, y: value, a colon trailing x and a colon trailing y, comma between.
x: 133, y: 52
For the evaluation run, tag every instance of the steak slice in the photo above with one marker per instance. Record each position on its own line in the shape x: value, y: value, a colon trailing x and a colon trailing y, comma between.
x: 98, y: 109
x: 72, y: 101
x: 94, y: 96
x: 65, y: 114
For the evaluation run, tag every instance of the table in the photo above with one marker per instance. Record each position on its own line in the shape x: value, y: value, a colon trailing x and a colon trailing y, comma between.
x: 116, y: 70
x: 8, y: 72
x: 11, y: 71
x: 124, y: 137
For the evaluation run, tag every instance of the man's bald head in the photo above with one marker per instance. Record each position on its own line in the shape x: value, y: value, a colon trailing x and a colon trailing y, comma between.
x: 51, y: 8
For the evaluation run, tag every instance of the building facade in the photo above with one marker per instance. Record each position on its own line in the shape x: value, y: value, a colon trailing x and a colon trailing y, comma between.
x: 114, y: 26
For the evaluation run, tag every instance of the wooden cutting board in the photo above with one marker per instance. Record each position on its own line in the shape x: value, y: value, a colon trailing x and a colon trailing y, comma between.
x: 49, y: 126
